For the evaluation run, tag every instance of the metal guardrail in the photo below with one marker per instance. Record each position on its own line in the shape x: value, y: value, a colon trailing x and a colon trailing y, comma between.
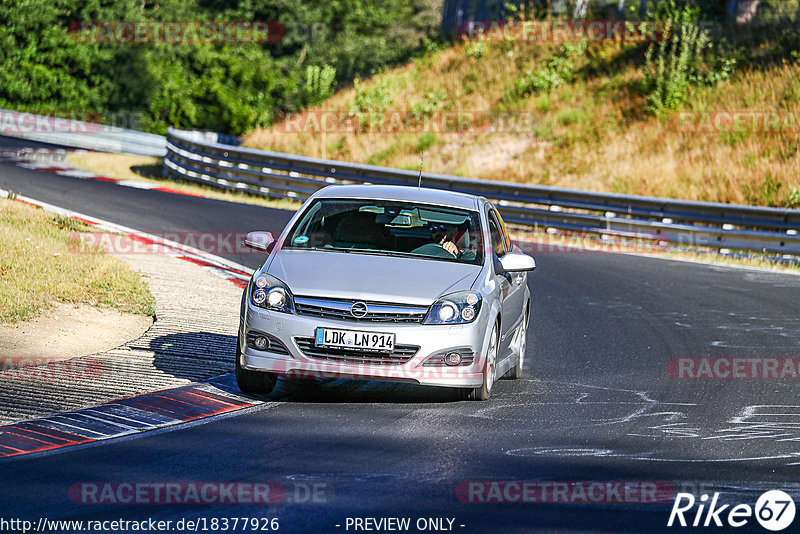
x: 80, y: 134
x: 690, y: 223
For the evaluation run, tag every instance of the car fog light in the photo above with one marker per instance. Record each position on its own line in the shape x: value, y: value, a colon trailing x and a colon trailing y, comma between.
x: 276, y: 298
x: 468, y: 313
x: 447, y: 312
x: 261, y: 342
x: 452, y: 358
x: 259, y: 296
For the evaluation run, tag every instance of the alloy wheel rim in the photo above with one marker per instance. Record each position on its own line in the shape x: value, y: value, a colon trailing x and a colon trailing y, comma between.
x: 492, y: 356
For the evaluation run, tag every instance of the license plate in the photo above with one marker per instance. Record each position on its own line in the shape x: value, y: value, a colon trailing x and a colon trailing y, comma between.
x: 354, y: 340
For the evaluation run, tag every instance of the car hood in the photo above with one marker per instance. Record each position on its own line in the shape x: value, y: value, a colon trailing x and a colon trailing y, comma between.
x: 370, y: 277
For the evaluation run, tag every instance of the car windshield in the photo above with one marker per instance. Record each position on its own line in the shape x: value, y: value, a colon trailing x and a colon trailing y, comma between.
x: 391, y: 228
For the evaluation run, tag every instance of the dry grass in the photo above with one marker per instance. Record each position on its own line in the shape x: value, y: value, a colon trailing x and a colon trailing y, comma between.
x: 148, y: 169
x: 37, y: 267
x: 591, y: 133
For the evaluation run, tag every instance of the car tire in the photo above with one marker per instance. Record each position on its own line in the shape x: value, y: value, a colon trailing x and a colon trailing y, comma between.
x: 253, y: 382
x: 483, y: 392
x: 515, y: 373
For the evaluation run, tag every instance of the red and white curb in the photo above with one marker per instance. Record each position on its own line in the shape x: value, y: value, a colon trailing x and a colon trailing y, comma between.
x: 57, y: 165
x: 235, y: 273
x: 124, y: 417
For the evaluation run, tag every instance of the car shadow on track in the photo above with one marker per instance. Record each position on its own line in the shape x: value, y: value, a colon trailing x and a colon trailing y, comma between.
x: 192, y: 356
x: 330, y: 390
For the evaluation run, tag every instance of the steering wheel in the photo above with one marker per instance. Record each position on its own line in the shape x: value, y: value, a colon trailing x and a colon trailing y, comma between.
x: 434, y: 249
x: 445, y: 251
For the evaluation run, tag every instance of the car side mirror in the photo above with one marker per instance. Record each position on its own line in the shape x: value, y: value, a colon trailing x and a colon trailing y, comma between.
x: 259, y: 240
x: 517, y: 261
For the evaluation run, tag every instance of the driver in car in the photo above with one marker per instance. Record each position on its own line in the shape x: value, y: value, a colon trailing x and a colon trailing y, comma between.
x: 441, y: 244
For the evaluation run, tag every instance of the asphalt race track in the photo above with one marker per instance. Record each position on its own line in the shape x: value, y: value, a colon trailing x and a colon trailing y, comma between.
x: 597, y: 403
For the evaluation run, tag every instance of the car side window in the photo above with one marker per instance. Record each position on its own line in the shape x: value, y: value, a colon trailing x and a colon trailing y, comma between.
x: 496, y: 231
x: 507, y: 239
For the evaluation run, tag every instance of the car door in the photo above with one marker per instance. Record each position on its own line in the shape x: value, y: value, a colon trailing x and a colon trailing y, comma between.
x: 511, y: 290
x: 519, y: 280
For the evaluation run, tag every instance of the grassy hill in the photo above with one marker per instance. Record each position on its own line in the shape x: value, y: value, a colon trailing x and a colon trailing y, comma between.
x: 575, y: 115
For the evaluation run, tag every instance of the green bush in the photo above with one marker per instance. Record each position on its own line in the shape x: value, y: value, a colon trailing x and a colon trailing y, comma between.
x: 434, y: 101
x: 426, y: 140
x: 765, y: 194
x: 676, y: 65
x: 475, y: 49
x: 371, y: 100
x: 558, y: 70
x: 794, y: 198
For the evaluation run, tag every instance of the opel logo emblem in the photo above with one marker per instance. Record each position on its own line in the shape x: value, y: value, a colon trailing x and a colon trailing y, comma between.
x: 358, y: 309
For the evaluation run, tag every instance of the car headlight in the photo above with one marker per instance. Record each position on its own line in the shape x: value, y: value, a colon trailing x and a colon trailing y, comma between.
x: 269, y: 293
x: 456, y: 308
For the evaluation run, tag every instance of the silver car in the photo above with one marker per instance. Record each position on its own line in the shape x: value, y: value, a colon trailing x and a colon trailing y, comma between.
x: 387, y: 283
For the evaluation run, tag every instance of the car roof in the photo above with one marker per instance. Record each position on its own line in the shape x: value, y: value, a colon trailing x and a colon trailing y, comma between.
x: 402, y: 193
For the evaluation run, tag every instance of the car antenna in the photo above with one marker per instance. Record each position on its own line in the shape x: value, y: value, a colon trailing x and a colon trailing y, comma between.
x: 421, y: 159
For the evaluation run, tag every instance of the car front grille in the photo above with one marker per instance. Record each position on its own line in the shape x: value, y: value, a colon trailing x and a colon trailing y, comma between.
x: 377, y: 312
x: 400, y: 355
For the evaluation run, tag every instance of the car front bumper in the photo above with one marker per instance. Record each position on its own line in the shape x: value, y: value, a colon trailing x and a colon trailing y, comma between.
x: 432, y: 340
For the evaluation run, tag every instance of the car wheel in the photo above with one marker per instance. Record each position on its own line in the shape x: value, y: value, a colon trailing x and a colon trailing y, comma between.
x: 489, y: 371
x: 253, y: 382
x: 515, y: 373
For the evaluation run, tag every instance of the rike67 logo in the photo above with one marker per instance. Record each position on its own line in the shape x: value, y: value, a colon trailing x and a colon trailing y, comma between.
x: 774, y: 510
